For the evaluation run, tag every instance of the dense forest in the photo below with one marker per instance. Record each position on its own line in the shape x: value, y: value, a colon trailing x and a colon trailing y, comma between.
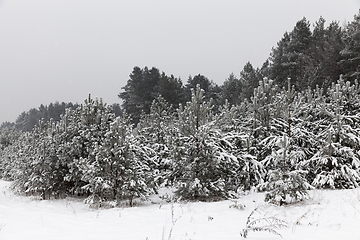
x: 286, y: 127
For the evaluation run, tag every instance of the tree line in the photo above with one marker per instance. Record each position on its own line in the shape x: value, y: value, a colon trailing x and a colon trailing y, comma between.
x: 26, y: 121
x: 281, y: 133
x: 309, y: 57
x: 283, y: 141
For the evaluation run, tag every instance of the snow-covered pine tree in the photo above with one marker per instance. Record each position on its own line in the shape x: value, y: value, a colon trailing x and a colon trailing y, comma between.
x: 39, y: 171
x: 22, y: 156
x: 336, y: 163
x: 112, y: 163
x: 263, y: 110
x: 93, y: 123
x: 203, y: 167
x: 124, y: 171
x: 89, y: 151
x: 264, y: 107
x: 286, y: 182
x: 9, y: 138
x: 232, y: 122
x: 71, y: 149
x: 290, y: 145
x: 156, y: 131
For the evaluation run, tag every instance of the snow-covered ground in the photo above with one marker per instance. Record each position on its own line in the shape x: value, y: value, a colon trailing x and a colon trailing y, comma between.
x: 327, y: 215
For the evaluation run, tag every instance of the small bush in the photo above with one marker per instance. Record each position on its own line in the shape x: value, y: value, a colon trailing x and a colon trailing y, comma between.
x: 286, y: 188
x: 201, y: 190
x: 237, y: 204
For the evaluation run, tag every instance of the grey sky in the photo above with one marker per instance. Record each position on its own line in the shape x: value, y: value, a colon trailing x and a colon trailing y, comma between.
x: 61, y: 50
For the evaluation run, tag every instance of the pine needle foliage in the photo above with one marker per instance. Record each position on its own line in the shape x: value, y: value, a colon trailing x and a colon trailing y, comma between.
x: 336, y: 162
x: 204, y: 166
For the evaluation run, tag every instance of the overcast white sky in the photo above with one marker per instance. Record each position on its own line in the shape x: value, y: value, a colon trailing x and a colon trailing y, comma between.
x: 62, y: 50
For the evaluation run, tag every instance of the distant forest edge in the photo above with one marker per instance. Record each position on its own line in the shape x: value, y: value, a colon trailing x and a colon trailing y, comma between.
x: 26, y: 121
x: 308, y: 57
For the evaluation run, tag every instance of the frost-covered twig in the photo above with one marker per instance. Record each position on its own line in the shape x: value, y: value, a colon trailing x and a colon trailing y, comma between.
x: 268, y: 224
x: 173, y: 221
x: 2, y: 226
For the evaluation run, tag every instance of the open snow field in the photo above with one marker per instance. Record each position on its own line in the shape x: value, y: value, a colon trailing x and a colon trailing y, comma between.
x: 327, y: 215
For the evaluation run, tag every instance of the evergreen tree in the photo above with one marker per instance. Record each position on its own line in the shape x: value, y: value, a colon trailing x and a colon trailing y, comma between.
x: 286, y: 182
x: 336, y: 163
x: 264, y: 71
x: 156, y: 132
x: 140, y: 91
x: 291, y: 57
x: 232, y: 90
x: 39, y: 171
x: 264, y: 108
x: 235, y: 132
x: 6, y: 124
x: 71, y: 149
x: 171, y: 89
x: 26, y: 121
x: 279, y: 60
x: 289, y: 144
x: 118, y: 168
x: 94, y: 118
x: 117, y: 109
x: 146, y: 85
x: 351, y: 51
x: 19, y: 159
x: 325, y: 55
x: 203, y: 166
x: 249, y: 78
x: 211, y: 89
x: 9, y: 139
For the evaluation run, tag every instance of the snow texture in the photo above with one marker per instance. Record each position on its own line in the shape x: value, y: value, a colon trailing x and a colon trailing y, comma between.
x: 328, y: 214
